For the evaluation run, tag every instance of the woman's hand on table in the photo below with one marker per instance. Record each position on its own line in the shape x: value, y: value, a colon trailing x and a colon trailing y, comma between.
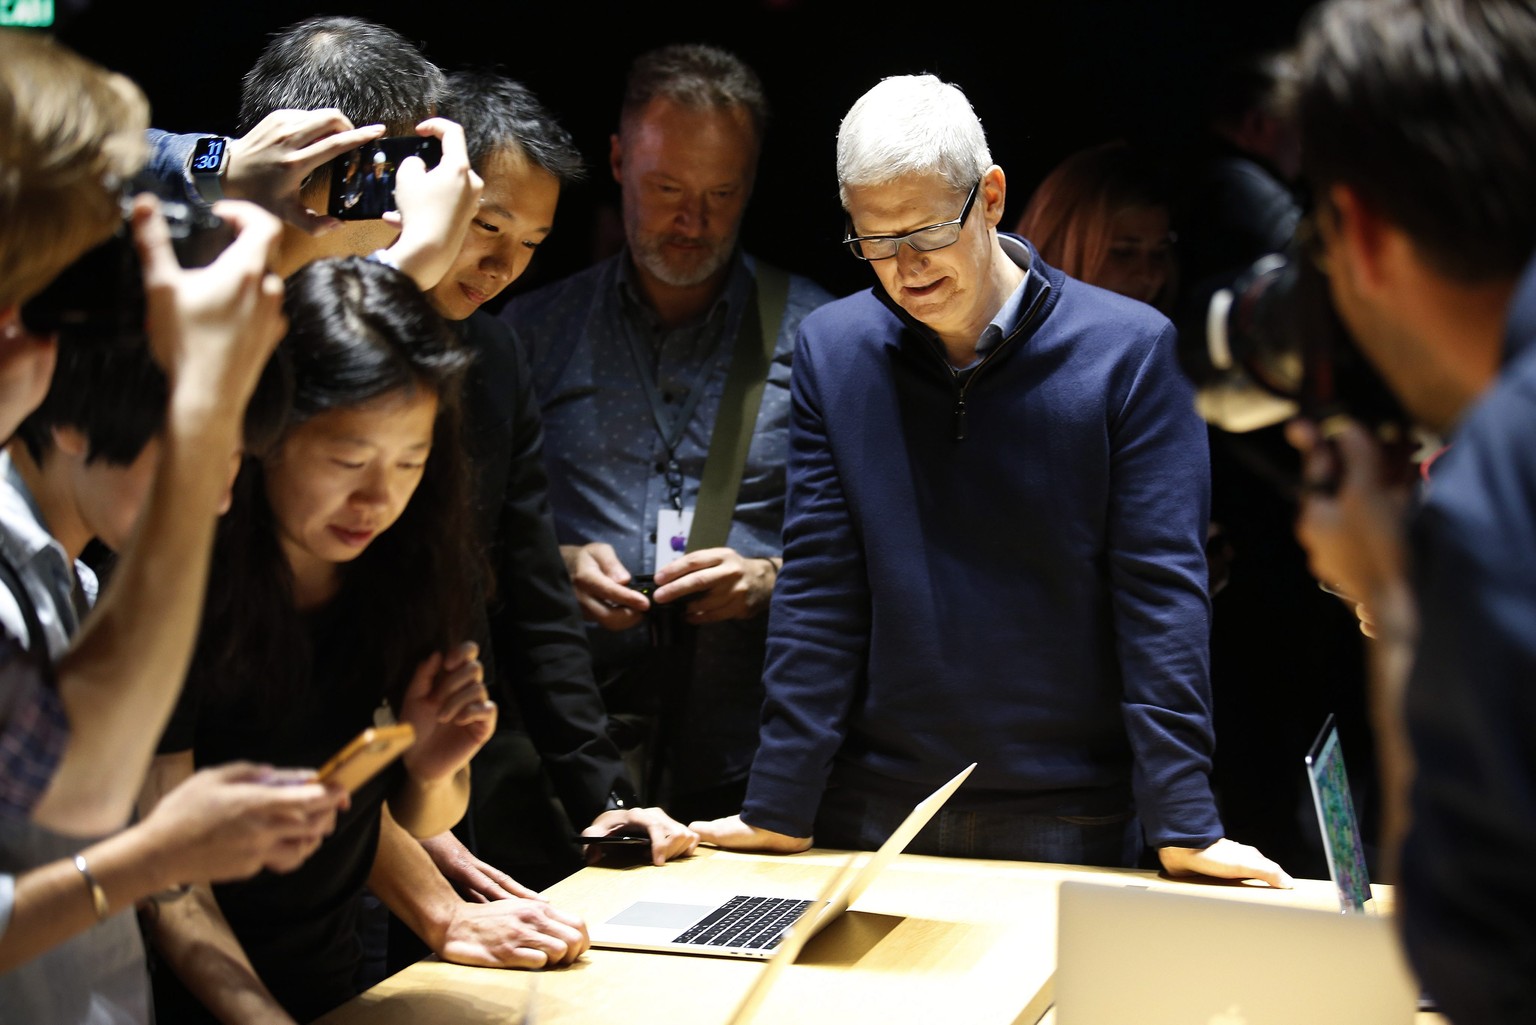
x: 513, y: 933
x: 669, y: 837
x: 1224, y: 859
x: 733, y: 834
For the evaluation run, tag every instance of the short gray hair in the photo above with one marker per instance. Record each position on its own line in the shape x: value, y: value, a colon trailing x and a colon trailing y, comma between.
x: 911, y: 124
x: 698, y: 77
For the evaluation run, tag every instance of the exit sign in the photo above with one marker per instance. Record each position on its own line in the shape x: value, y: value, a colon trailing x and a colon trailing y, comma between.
x: 26, y: 13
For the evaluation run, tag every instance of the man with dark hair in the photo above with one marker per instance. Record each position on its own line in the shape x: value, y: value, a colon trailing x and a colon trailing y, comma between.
x: 366, y: 70
x: 631, y: 360
x: 300, y: 101
x: 1418, y: 130
x: 78, y: 470
x: 538, y: 648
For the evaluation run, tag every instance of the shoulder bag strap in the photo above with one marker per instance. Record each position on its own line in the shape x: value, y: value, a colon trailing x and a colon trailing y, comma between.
x: 756, y: 339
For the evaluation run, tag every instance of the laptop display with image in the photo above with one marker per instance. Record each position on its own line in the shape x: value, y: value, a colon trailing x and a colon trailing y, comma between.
x: 1336, y: 818
x: 741, y: 925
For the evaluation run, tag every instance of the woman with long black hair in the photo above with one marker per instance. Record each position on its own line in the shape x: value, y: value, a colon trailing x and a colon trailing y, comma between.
x: 344, y: 582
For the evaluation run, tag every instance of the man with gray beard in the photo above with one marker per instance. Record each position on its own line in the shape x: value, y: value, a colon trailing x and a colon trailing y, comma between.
x: 631, y: 360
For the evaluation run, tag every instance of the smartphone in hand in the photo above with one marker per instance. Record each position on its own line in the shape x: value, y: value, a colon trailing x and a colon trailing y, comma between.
x: 367, y: 755
x: 363, y: 181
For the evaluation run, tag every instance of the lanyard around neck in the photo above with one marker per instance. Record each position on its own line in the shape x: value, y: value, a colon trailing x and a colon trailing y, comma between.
x: 668, y: 428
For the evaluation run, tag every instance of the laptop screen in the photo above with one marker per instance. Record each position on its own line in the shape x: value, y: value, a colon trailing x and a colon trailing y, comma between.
x: 1336, y: 817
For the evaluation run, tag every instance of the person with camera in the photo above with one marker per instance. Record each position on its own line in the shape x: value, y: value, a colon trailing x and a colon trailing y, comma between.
x: 666, y: 473
x: 559, y: 725
x: 1014, y: 575
x: 77, y: 734
x: 1418, y: 131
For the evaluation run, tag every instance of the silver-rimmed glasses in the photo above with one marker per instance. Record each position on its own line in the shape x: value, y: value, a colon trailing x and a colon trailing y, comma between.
x: 923, y: 240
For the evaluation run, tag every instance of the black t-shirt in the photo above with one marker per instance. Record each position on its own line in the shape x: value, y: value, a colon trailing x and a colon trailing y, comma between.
x: 299, y: 928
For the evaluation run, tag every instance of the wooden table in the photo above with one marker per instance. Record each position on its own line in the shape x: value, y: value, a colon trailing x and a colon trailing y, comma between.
x: 934, y: 940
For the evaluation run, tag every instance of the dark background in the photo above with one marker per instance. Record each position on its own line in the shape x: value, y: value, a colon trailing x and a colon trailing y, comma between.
x: 1046, y: 79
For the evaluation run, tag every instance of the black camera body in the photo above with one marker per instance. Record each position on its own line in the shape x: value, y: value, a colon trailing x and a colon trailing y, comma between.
x: 646, y: 584
x: 1267, y: 345
x: 664, y: 620
x: 100, y: 297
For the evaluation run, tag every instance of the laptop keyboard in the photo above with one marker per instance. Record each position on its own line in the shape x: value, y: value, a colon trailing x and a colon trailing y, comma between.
x: 753, y: 923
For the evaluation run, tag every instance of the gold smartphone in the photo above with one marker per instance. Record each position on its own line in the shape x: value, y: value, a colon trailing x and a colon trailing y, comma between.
x: 366, y: 755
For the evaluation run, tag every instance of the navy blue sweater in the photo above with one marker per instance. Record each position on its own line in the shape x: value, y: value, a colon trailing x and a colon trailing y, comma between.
x: 1031, y: 596
x: 1467, y: 898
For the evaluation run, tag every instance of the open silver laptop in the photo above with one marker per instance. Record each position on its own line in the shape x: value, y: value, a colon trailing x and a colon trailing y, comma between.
x: 738, y: 925
x: 789, y: 946
x: 1129, y: 954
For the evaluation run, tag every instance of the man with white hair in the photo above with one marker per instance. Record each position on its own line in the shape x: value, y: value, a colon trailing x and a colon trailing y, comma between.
x: 998, y: 493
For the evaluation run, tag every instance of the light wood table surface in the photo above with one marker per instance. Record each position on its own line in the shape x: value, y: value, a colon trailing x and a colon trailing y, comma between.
x: 934, y: 940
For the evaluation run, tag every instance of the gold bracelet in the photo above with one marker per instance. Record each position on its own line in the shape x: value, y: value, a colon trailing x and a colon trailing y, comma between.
x: 98, y: 895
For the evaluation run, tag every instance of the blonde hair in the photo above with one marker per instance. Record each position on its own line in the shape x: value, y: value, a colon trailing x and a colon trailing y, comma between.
x: 70, y: 134
x: 1071, y: 215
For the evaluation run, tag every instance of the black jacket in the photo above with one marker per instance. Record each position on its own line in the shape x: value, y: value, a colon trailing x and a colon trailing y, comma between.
x: 538, y: 649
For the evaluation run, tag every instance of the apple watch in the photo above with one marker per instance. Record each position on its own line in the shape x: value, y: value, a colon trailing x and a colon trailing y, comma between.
x: 210, y: 155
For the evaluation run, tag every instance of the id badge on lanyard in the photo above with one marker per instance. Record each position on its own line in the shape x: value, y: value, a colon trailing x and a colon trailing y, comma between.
x: 672, y: 526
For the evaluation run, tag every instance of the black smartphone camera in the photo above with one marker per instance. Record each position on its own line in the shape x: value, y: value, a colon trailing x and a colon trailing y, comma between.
x: 100, y: 297
x: 363, y: 181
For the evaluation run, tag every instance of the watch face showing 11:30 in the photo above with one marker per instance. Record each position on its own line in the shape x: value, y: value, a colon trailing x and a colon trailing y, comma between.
x: 208, y: 155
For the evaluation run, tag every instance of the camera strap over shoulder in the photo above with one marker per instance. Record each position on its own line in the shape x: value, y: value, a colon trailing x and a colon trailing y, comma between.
x: 756, y: 338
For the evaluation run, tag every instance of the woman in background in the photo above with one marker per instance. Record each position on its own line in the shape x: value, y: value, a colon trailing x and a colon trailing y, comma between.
x: 1103, y: 217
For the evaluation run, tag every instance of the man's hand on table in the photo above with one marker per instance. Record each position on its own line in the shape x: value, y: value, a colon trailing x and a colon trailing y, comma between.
x: 669, y: 837
x: 733, y: 834
x: 1224, y: 859
x: 515, y: 932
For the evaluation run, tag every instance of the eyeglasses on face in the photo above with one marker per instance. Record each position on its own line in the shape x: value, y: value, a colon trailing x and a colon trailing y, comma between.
x: 923, y: 240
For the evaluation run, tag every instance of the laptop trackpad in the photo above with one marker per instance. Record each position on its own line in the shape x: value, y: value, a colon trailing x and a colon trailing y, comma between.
x: 655, y: 915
